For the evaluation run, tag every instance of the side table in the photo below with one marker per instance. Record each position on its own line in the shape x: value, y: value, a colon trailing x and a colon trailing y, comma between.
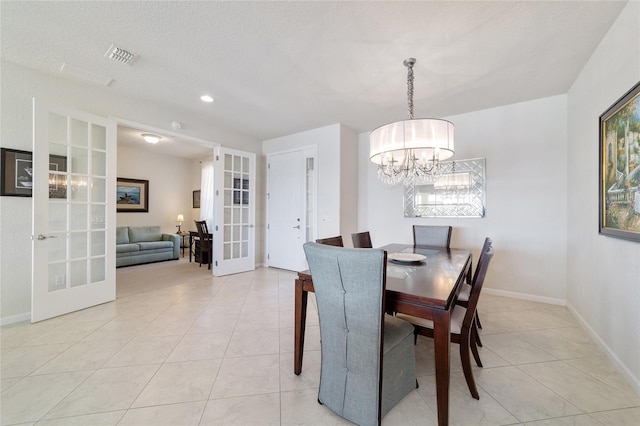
x: 183, y: 242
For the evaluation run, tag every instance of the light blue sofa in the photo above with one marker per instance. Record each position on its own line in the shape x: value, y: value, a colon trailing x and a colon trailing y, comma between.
x: 144, y: 244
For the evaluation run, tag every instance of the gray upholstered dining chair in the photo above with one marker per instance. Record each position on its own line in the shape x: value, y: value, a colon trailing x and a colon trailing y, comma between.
x: 361, y: 240
x: 434, y: 236
x: 368, y: 357
x: 331, y: 241
x: 463, y: 326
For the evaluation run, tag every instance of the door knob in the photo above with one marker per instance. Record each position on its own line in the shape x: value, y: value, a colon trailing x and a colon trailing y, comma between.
x: 41, y: 237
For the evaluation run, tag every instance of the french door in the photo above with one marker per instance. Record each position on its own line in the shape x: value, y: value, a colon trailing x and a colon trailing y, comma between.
x: 73, y: 226
x: 235, y: 211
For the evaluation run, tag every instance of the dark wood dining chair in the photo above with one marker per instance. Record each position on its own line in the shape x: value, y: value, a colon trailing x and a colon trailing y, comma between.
x: 206, y: 245
x: 465, y: 294
x: 463, y: 328
x: 331, y: 241
x: 361, y: 240
x: 434, y: 236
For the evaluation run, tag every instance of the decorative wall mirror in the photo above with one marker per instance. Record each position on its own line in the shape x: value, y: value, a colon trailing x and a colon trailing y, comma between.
x: 458, y: 191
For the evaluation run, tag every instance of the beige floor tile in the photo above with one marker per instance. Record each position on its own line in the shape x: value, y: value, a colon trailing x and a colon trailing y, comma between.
x: 411, y: 410
x: 32, y: 397
x: 177, y: 382
x: 522, y: 396
x: 19, y: 362
x: 252, y: 410
x: 247, y: 376
x: 562, y: 343
x: 514, y: 349
x: 144, y: 350
x: 309, y: 378
x: 600, y: 368
x: 582, y: 390
x: 201, y: 346
x: 258, y: 320
x: 212, y: 321
x: 185, y: 414
x: 301, y: 408
x: 524, y: 320
x: 102, y: 419
x: 83, y: 356
x: 581, y: 420
x: 106, y: 390
x: 7, y: 383
x: 253, y: 342
x: 464, y: 410
x: 624, y: 417
x: 68, y: 332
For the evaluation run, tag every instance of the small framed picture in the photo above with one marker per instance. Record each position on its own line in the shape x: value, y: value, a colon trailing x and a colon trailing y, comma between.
x: 196, y: 199
x: 17, y: 173
x: 132, y: 195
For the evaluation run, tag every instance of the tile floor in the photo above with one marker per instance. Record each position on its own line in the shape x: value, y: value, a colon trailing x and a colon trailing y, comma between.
x: 179, y: 347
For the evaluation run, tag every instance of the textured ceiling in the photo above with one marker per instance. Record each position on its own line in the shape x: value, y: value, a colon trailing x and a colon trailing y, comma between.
x: 277, y: 68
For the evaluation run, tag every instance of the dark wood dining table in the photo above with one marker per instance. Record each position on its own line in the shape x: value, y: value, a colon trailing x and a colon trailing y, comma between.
x: 427, y: 289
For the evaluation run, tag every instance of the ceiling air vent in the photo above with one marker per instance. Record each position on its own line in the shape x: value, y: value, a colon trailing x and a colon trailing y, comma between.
x: 121, y: 55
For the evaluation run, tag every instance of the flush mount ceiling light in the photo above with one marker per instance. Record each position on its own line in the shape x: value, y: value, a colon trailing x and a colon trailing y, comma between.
x: 206, y: 98
x: 410, y: 151
x: 149, y: 138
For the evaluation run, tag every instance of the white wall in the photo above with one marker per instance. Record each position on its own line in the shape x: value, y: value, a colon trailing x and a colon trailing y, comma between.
x: 17, y: 87
x: 169, y: 187
x: 348, y: 184
x: 526, y: 202
x: 603, y: 272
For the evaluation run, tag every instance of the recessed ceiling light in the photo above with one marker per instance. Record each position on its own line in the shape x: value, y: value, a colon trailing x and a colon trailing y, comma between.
x: 206, y: 98
x: 151, y: 138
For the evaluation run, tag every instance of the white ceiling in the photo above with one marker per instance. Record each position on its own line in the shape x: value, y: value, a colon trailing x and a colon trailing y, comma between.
x: 277, y: 68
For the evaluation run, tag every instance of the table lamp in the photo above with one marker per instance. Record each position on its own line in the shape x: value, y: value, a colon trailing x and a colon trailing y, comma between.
x: 179, y: 221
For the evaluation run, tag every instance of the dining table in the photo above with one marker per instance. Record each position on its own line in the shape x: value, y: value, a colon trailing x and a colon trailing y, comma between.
x: 426, y: 288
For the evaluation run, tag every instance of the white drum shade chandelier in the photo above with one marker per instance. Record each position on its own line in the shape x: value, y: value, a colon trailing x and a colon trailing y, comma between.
x: 410, y: 150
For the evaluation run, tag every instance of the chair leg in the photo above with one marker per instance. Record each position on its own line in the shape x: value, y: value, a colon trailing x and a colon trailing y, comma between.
x: 477, y: 338
x: 466, y: 363
x: 478, y: 320
x: 474, y: 346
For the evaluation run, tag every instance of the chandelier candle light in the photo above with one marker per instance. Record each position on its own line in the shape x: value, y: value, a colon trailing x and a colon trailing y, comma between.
x: 410, y: 151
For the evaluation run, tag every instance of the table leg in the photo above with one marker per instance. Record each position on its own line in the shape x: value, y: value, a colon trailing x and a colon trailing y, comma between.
x: 441, y: 324
x: 300, y: 311
x: 190, y: 245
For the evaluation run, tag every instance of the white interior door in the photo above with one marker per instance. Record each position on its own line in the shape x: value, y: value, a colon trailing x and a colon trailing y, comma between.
x: 74, y: 176
x: 235, y: 211
x: 291, y: 208
x: 286, y: 219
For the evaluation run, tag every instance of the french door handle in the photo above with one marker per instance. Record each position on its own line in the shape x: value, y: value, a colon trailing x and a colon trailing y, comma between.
x: 296, y: 227
x: 41, y: 237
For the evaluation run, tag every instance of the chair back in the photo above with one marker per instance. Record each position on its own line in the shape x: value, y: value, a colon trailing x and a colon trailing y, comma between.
x: 331, y: 241
x: 349, y: 288
x: 434, y: 236
x: 203, y: 231
x: 361, y: 240
x: 478, y: 281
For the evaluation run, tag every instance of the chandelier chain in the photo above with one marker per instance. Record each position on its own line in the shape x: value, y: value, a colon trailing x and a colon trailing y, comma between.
x: 410, y: 89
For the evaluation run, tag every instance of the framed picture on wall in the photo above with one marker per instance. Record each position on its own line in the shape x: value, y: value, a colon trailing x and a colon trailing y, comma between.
x: 16, y: 178
x: 132, y: 195
x: 620, y: 167
x: 196, y: 199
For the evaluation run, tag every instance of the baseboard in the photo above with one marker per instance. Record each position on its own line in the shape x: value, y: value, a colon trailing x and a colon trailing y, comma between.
x: 525, y: 296
x: 15, y: 318
x: 631, y: 378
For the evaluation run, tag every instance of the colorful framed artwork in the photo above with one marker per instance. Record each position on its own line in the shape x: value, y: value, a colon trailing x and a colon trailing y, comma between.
x: 132, y: 195
x: 619, y: 187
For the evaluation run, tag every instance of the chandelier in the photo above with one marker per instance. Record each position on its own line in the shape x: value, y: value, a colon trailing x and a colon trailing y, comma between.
x: 410, y: 151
